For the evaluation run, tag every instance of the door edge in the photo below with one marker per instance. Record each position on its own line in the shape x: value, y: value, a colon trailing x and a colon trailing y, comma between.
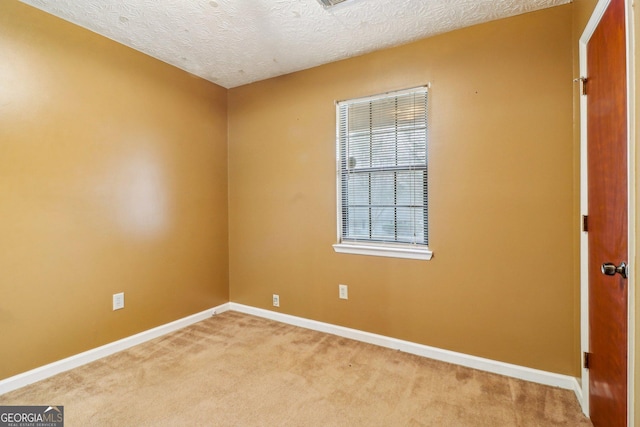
x: 594, y: 20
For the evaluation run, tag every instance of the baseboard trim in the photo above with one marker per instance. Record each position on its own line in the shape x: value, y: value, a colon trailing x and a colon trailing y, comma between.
x: 46, y: 371
x: 487, y: 365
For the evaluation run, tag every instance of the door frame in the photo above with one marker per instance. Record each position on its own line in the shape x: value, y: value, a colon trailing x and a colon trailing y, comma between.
x: 596, y: 16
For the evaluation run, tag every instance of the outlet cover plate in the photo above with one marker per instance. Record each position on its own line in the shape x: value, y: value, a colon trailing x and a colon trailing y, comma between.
x: 118, y: 301
x: 343, y: 291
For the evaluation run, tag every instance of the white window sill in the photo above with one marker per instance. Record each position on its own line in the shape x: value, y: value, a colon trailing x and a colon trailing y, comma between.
x: 408, y: 252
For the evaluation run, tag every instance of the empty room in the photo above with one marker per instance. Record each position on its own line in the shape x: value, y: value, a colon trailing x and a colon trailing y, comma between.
x: 318, y: 212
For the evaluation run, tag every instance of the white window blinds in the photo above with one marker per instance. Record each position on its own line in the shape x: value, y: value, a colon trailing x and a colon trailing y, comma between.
x: 382, y: 150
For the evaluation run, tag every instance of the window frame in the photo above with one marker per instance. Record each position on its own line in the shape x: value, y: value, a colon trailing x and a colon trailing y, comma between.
x: 376, y: 248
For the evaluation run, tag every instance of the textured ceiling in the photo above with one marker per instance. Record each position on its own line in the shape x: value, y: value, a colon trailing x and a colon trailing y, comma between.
x: 234, y: 42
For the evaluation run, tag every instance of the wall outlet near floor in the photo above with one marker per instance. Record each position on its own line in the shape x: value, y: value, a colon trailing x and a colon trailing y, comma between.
x: 276, y: 300
x: 118, y: 301
x: 343, y: 291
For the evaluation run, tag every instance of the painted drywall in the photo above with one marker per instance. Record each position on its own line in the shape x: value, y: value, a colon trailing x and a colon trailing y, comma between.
x: 114, y: 179
x: 503, y: 282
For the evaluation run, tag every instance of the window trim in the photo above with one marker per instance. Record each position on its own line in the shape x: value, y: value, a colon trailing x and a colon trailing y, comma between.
x: 384, y: 250
x: 357, y: 247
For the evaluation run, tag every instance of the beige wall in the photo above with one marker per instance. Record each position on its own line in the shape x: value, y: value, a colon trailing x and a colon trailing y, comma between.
x: 113, y: 172
x: 503, y: 283
x: 115, y: 179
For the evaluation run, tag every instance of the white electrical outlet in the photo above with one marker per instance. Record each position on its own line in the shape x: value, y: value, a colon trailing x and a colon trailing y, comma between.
x: 118, y: 301
x: 276, y: 300
x: 343, y: 291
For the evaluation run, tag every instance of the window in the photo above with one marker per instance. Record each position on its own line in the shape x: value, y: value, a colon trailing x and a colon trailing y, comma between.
x: 382, y: 175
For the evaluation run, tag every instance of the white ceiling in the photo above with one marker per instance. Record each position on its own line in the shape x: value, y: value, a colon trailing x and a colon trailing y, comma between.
x: 234, y: 42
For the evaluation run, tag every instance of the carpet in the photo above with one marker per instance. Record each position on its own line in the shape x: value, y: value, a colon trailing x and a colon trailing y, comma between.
x: 239, y: 370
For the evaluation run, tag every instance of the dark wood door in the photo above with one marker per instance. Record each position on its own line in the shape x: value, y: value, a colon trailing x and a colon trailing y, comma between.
x: 607, y: 199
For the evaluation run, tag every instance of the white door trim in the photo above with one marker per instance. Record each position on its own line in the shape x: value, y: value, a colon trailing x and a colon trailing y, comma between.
x: 632, y: 200
x: 584, y: 208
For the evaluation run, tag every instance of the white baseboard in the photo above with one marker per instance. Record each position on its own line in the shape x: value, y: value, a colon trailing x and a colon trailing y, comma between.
x: 487, y: 365
x: 46, y: 371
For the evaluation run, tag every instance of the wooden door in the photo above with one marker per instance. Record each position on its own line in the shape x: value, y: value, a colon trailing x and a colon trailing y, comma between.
x: 606, y: 89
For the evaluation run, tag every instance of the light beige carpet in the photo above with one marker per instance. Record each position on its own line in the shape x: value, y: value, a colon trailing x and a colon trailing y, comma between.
x: 239, y: 370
